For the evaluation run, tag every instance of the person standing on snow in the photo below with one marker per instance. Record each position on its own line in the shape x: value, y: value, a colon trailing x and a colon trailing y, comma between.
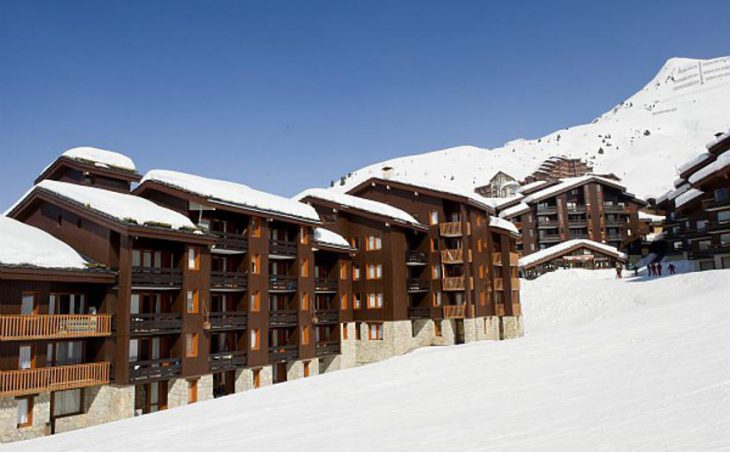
x: 672, y: 269
x: 619, y: 267
x: 659, y: 269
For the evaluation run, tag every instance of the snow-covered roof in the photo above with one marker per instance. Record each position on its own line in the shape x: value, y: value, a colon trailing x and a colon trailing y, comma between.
x: 327, y: 237
x: 687, y: 196
x: 358, y: 203
x: 651, y: 217
x: 451, y: 189
x: 234, y: 193
x: 100, y: 157
x: 123, y: 207
x: 696, y: 160
x: 674, y: 193
x: 514, y: 210
x: 557, y: 250
x: 496, y: 222
x: 722, y: 162
x: 24, y: 245
x: 718, y: 139
x: 531, y: 185
x: 566, y: 184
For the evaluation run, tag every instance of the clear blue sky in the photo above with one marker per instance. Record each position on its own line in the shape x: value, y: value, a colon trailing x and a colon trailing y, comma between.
x: 287, y: 95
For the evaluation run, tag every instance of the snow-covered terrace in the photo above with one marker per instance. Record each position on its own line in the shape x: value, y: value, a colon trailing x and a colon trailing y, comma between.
x: 722, y: 163
x: 498, y: 223
x: 22, y: 245
x: 687, y: 197
x: 569, y: 246
x: 226, y: 192
x: 514, y: 210
x: 326, y: 237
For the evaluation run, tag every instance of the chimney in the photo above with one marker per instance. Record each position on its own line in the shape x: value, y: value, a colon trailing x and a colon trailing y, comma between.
x: 388, y: 172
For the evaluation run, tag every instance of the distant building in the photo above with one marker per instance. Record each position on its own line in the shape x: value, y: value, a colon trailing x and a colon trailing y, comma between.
x: 578, y: 253
x: 501, y: 185
x: 556, y: 168
x: 697, y: 225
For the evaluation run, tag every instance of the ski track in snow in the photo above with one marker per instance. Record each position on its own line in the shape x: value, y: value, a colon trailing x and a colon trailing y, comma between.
x: 632, y: 364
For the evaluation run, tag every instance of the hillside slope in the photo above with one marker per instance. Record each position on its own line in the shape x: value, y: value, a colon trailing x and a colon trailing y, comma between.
x: 642, y: 140
x: 606, y: 365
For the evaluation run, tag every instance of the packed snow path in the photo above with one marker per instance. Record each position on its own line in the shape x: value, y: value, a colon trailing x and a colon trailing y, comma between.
x: 632, y: 364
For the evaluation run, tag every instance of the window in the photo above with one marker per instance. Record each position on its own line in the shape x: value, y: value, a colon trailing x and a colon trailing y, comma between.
x: 192, y: 305
x: 305, y: 335
x: 437, y: 298
x: 433, y: 217
x: 721, y: 194
x: 191, y: 345
x: 723, y: 215
x: 724, y: 239
x: 193, y: 259
x: 305, y: 301
x: 345, y: 333
x: 255, y: 304
x: 25, y: 357
x: 375, y: 271
x: 25, y: 412
x: 66, y: 403
x: 255, y: 264
x: 374, y: 243
x: 255, y: 227
x: 704, y: 245
x: 29, y: 304
x: 480, y: 245
x: 257, y: 378
x: 303, y: 236
x: 356, y: 301
x: 192, y: 391
x: 437, y: 328
x: 305, y: 268
x: 434, y: 244
x: 481, y: 271
x: 255, y: 339
x: 435, y: 271
x: 343, y: 271
x: 307, y: 365
x: 375, y: 300
x: 355, y: 273
x: 343, y: 301
x: 375, y: 331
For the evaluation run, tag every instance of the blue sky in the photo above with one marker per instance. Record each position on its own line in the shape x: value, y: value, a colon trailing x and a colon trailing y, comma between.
x: 284, y: 95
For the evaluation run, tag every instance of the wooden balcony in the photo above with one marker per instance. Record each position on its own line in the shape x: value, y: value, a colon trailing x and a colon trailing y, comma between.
x: 326, y: 285
x: 515, y: 283
x: 228, y: 281
x: 419, y: 312
x: 613, y: 208
x: 418, y: 285
x: 282, y: 353
x: 229, y: 320
x: 500, y: 310
x: 548, y: 238
x: 223, y: 361
x: 155, y: 323
x: 282, y: 283
x: 33, y: 381
x: 63, y: 326
x: 548, y: 210
x: 450, y: 229
x: 327, y: 348
x: 455, y: 256
x: 416, y: 258
x: 453, y: 283
x: 548, y: 224
x: 578, y: 224
x: 283, y: 319
x: 154, y: 369
x: 327, y: 316
x: 229, y: 243
x: 156, y: 277
x: 498, y: 284
x: 714, y: 204
x: 282, y: 249
x: 576, y: 209
x: 516, y: 309
x: 514, y: 259
x: 455, y: 312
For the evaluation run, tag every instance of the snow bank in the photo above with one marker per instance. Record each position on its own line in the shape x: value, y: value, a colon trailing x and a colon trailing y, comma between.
x: 496, y: 222
x: 327, y: 237
x: 611, y: 365
x: 232, y: 192
x: 24, y: 245
x: 101, y: 157
x: 123, y: 207
x: 563, y: 246
x: 355, y: 202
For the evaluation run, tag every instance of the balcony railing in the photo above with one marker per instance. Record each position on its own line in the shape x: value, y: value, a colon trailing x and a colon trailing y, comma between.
x: 228, y: 280
x: 33, y: 381
x: 154, y: 369
x: 327, y: 348
x: 712, y: 204
x: 230, y: 243
x: 325, y: 316
x: 326, y: 284
x: 514, y: 259
x: 418, y: 285
x: 549, y: 238
x: 455, y: 312
x: 450, y: 229
x: 500, y: 310
x: 283, y: 248
x: 547, y: 210
x: 282, y: 353
x: 455, y: 256
x: 419, y: 312
x: 29, y: 327
x: 578, y: 224
x: 516, y: 309
x: 416, y: 258
x: 155, y: 323
x: 548, y: 224
x: 453, y: 283
x: 613, y: 208
x: 282, y: 283
x: 515, y: 283
x: 155, y: 276
x: 229, y: 320
x: 223, y: 361
x: 499, y: 283
x: 576, y: 209
x: 283, y: 319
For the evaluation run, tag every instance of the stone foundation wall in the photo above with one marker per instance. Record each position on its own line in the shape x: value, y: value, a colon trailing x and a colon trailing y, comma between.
x: 244, y: 378
x: 295, y: 369
x: 9, y: 430
x: 512, y: 327
x: 102, y: 404
x: 396, y: 341
x: 487, y: 328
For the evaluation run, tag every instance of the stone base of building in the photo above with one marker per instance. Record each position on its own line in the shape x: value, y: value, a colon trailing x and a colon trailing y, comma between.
x: 511, y: 327
x: 178, y: 390
x: 9, y: 430
x: 102, y: 404
x: 246, y: 380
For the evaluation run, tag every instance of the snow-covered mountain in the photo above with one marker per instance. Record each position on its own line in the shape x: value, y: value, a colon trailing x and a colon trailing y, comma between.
x: 642, y: 140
